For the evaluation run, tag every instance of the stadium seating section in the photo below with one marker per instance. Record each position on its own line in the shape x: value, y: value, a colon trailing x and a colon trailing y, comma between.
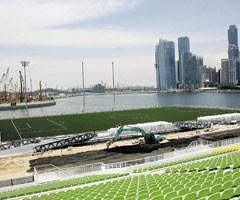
x: 154, y: 167
x: 57, y: 185
x: 214, y: 178
x: 231, y: 148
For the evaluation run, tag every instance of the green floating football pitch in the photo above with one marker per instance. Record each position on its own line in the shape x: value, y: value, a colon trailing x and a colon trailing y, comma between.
x: 78, y: 123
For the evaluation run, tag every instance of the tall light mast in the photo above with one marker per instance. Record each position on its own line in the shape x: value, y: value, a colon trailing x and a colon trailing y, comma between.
x: 83, y: 87
x: 113, y: 84
x: 25, y: 64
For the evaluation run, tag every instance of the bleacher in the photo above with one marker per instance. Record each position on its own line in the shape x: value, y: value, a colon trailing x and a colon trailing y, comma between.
x: 213, y: 176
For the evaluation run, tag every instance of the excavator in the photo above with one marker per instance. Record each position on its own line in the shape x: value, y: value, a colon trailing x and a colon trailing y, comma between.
x: 149, y: 138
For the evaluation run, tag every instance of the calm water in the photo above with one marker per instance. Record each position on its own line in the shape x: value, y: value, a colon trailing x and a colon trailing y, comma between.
x: 98, y: 103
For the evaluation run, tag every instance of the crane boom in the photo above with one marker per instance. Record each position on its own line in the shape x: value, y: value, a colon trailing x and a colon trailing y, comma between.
x: 6, y: 75
x: 1, y: 80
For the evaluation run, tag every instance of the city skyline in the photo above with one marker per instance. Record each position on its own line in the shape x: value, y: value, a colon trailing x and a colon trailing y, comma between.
x: 67, y: 33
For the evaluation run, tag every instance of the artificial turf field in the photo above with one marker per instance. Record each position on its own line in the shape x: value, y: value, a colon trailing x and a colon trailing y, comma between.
x: 12, y: 129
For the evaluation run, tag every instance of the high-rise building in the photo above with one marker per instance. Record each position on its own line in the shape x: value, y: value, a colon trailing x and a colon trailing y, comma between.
x: 183, y: 46
x: 189, y: 66
x: 236, y: 65
x: 199, y: 70
x: 212, y: 74
x: 224, y: 75
x: 233, y: 52
x: 165, y: 65
x: 218, y: 74
x: 233, y: 35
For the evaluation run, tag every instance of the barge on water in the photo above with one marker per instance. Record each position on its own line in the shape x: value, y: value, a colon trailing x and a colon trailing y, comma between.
x: 34, y: 104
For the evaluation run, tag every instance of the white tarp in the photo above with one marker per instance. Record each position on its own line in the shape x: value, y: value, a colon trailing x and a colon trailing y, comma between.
x: 147, y: 127
x: 223, y: 117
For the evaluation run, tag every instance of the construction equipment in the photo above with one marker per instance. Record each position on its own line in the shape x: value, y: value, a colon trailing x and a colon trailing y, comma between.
x: 4, y: 80
x: 10, y: 88
x: 1, y: 81
x: 149, y: 138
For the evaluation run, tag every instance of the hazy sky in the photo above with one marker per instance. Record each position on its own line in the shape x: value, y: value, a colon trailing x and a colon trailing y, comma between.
x: 57, y: 35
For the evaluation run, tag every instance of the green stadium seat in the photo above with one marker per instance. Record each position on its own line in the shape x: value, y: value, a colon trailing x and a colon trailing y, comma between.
x: 195, y: 188
x: 172, y: 185
x: 203, y: 193
x: 236, y: 182
x: 193, y: 179
x: 130, y: 198
x: 143, y: 197
x: 131, y: 195
x: 142, y: 192
x: 189, y: 184
x: 236, y: 175
x: 227, y: 178
x: 183, y: 192
x: 170, y: 195
x: 215, y: 188
x: 226, y: 173
x: 237, y: 190
x: 178, y: 187
x: 167, y: 190
x: 118, y: 198
x: 200, y: 181
x: 190, y: 196
x: 153, y: 189
x: 227, y: 185
x: 159, y: 197
x: 227, y: 194
x: 178, y: 198
x: 206, y: 184
x: 217, y: 181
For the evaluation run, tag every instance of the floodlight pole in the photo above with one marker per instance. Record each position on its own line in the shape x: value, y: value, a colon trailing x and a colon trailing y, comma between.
x: 25, y: 64
x: 83, y: 87
x: 114, y: 103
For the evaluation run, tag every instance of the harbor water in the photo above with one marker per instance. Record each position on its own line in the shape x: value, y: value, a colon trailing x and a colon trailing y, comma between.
x: 98, y: 103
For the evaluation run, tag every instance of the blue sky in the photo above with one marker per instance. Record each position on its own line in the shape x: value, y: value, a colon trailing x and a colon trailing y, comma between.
x: 56, y: 36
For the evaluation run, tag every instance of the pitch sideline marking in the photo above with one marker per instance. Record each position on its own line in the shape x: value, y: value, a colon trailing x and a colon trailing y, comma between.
x: 41, y: 131
x: 28, y: 125
x: 16, y: 129
x: 57, y: 124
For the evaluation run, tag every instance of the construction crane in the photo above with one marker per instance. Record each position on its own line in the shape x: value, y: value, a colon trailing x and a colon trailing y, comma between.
x: 1, y: 81
x: 5, y: 85
x: 15, y: 92
x: 149, y: 138
x: 10, y: 88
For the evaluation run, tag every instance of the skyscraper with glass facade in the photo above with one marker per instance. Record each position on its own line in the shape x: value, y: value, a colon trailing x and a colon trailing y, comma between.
x: 233, y: 53
x: 165, y: 65
x: 189, y: 64
x: 183, y: 46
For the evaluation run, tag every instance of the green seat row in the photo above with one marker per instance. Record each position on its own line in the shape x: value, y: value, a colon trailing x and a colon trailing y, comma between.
x: 168, y: 164
x: 56, y: 185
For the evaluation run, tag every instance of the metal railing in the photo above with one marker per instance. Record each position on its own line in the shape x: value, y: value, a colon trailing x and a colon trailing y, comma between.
x: 50, y: 172
x: 16, y: 181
